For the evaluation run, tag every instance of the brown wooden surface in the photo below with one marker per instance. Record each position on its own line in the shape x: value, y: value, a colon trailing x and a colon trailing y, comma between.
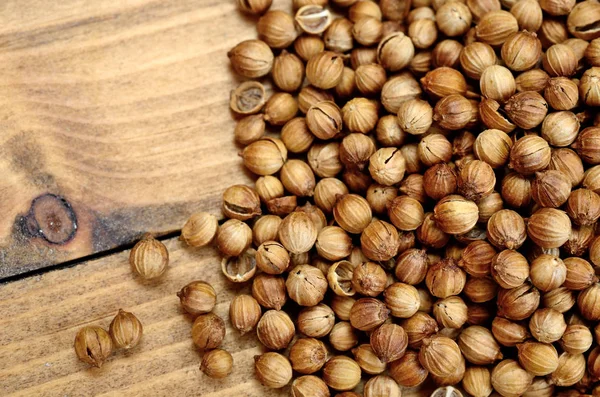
x: 120, y: 108
x: 41, y: 315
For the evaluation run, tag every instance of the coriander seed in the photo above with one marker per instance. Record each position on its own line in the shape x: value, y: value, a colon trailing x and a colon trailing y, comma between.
x: 308, y: 355
x: 277, y: 29
x: 217, y: 364
x: 561, y: 93
x: 367, y: 31
x: 325, y: 69
x: 398, y: 89
x: 200, y: 229
x: 395, y: 51
x: 249, y: 129
x: 265, y: 156
x: 440, y: 355
x: 343, y: 336
x: 149, y: 258
x: 251, y: 58
x: 559, y: 60
x: 280, y: 108
x: 233, y: 238
x: 445, y: 279
x: 244, y: 313
x: 309, y: 385
x: 208, y: 331
x: 550, y: 188
x: 273, y: 370
x: 197, y: 297
x: 313, y: 19
x: 521, y: 51
x: 338, y: 37
x: 495, y: 27
x: 93, y: 345
x: 306, y: 285
x: 275, y: 330
x: 288, y: 71
x: 453, y: 18
x: 306, y: 46
x: 360, y: 115
x: 241, y: 202
x: 549, y: 227
x: 446, y: 53
x: 269, y: 291
x: 341, y: 373
x: 239, y: 269
x: 254, y: 7
x: 509, y: 378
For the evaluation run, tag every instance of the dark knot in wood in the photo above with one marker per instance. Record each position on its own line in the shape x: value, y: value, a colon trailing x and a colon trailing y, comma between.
x: 51, y: 218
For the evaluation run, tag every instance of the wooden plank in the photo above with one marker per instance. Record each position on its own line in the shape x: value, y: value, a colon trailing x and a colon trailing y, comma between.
x: 41, y: 315
x: 119, y: 108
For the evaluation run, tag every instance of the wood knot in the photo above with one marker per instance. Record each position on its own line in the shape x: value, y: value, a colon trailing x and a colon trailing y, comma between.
x: 51, y: 218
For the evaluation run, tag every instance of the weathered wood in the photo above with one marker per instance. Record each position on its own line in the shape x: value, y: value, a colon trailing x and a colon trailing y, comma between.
x: 120, y: 109
x: 41, y: 315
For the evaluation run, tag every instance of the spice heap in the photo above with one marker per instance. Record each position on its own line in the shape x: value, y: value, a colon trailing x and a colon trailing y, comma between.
x: 426, y: 204
x: 427, y: 196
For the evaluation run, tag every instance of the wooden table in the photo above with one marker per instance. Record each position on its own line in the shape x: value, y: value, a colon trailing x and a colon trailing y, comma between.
x: 114, y: 117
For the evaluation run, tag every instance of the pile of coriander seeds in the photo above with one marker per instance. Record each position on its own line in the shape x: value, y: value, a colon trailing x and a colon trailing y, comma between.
x: 426, y: 203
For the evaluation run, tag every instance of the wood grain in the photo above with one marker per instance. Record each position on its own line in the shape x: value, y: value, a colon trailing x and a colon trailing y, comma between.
x: 41, y: 315
x: 121, y: 109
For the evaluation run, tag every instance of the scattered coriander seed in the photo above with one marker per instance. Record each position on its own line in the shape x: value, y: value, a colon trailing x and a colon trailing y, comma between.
x: 381, y: 385
x: 307, y: 45
x: 251, y: 58
x: 241, y: 202
x: 149, y: 258
x: 200, y: 229
x: 197, y: 297
x: 306, y: 285
x: 208, y: 331
x: 265, y: 156
x: 239, y: 269
x: 280, y: 108
x: 521, y: 51
x: 440, y: 355
x: 233, y: 237
x: 495, y: 27
x: 269, y: 290
x: 93, y: 345
x: 126, y: 330
x: 249, y: 129
x: 528, y: 14
x: 217, y: 363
